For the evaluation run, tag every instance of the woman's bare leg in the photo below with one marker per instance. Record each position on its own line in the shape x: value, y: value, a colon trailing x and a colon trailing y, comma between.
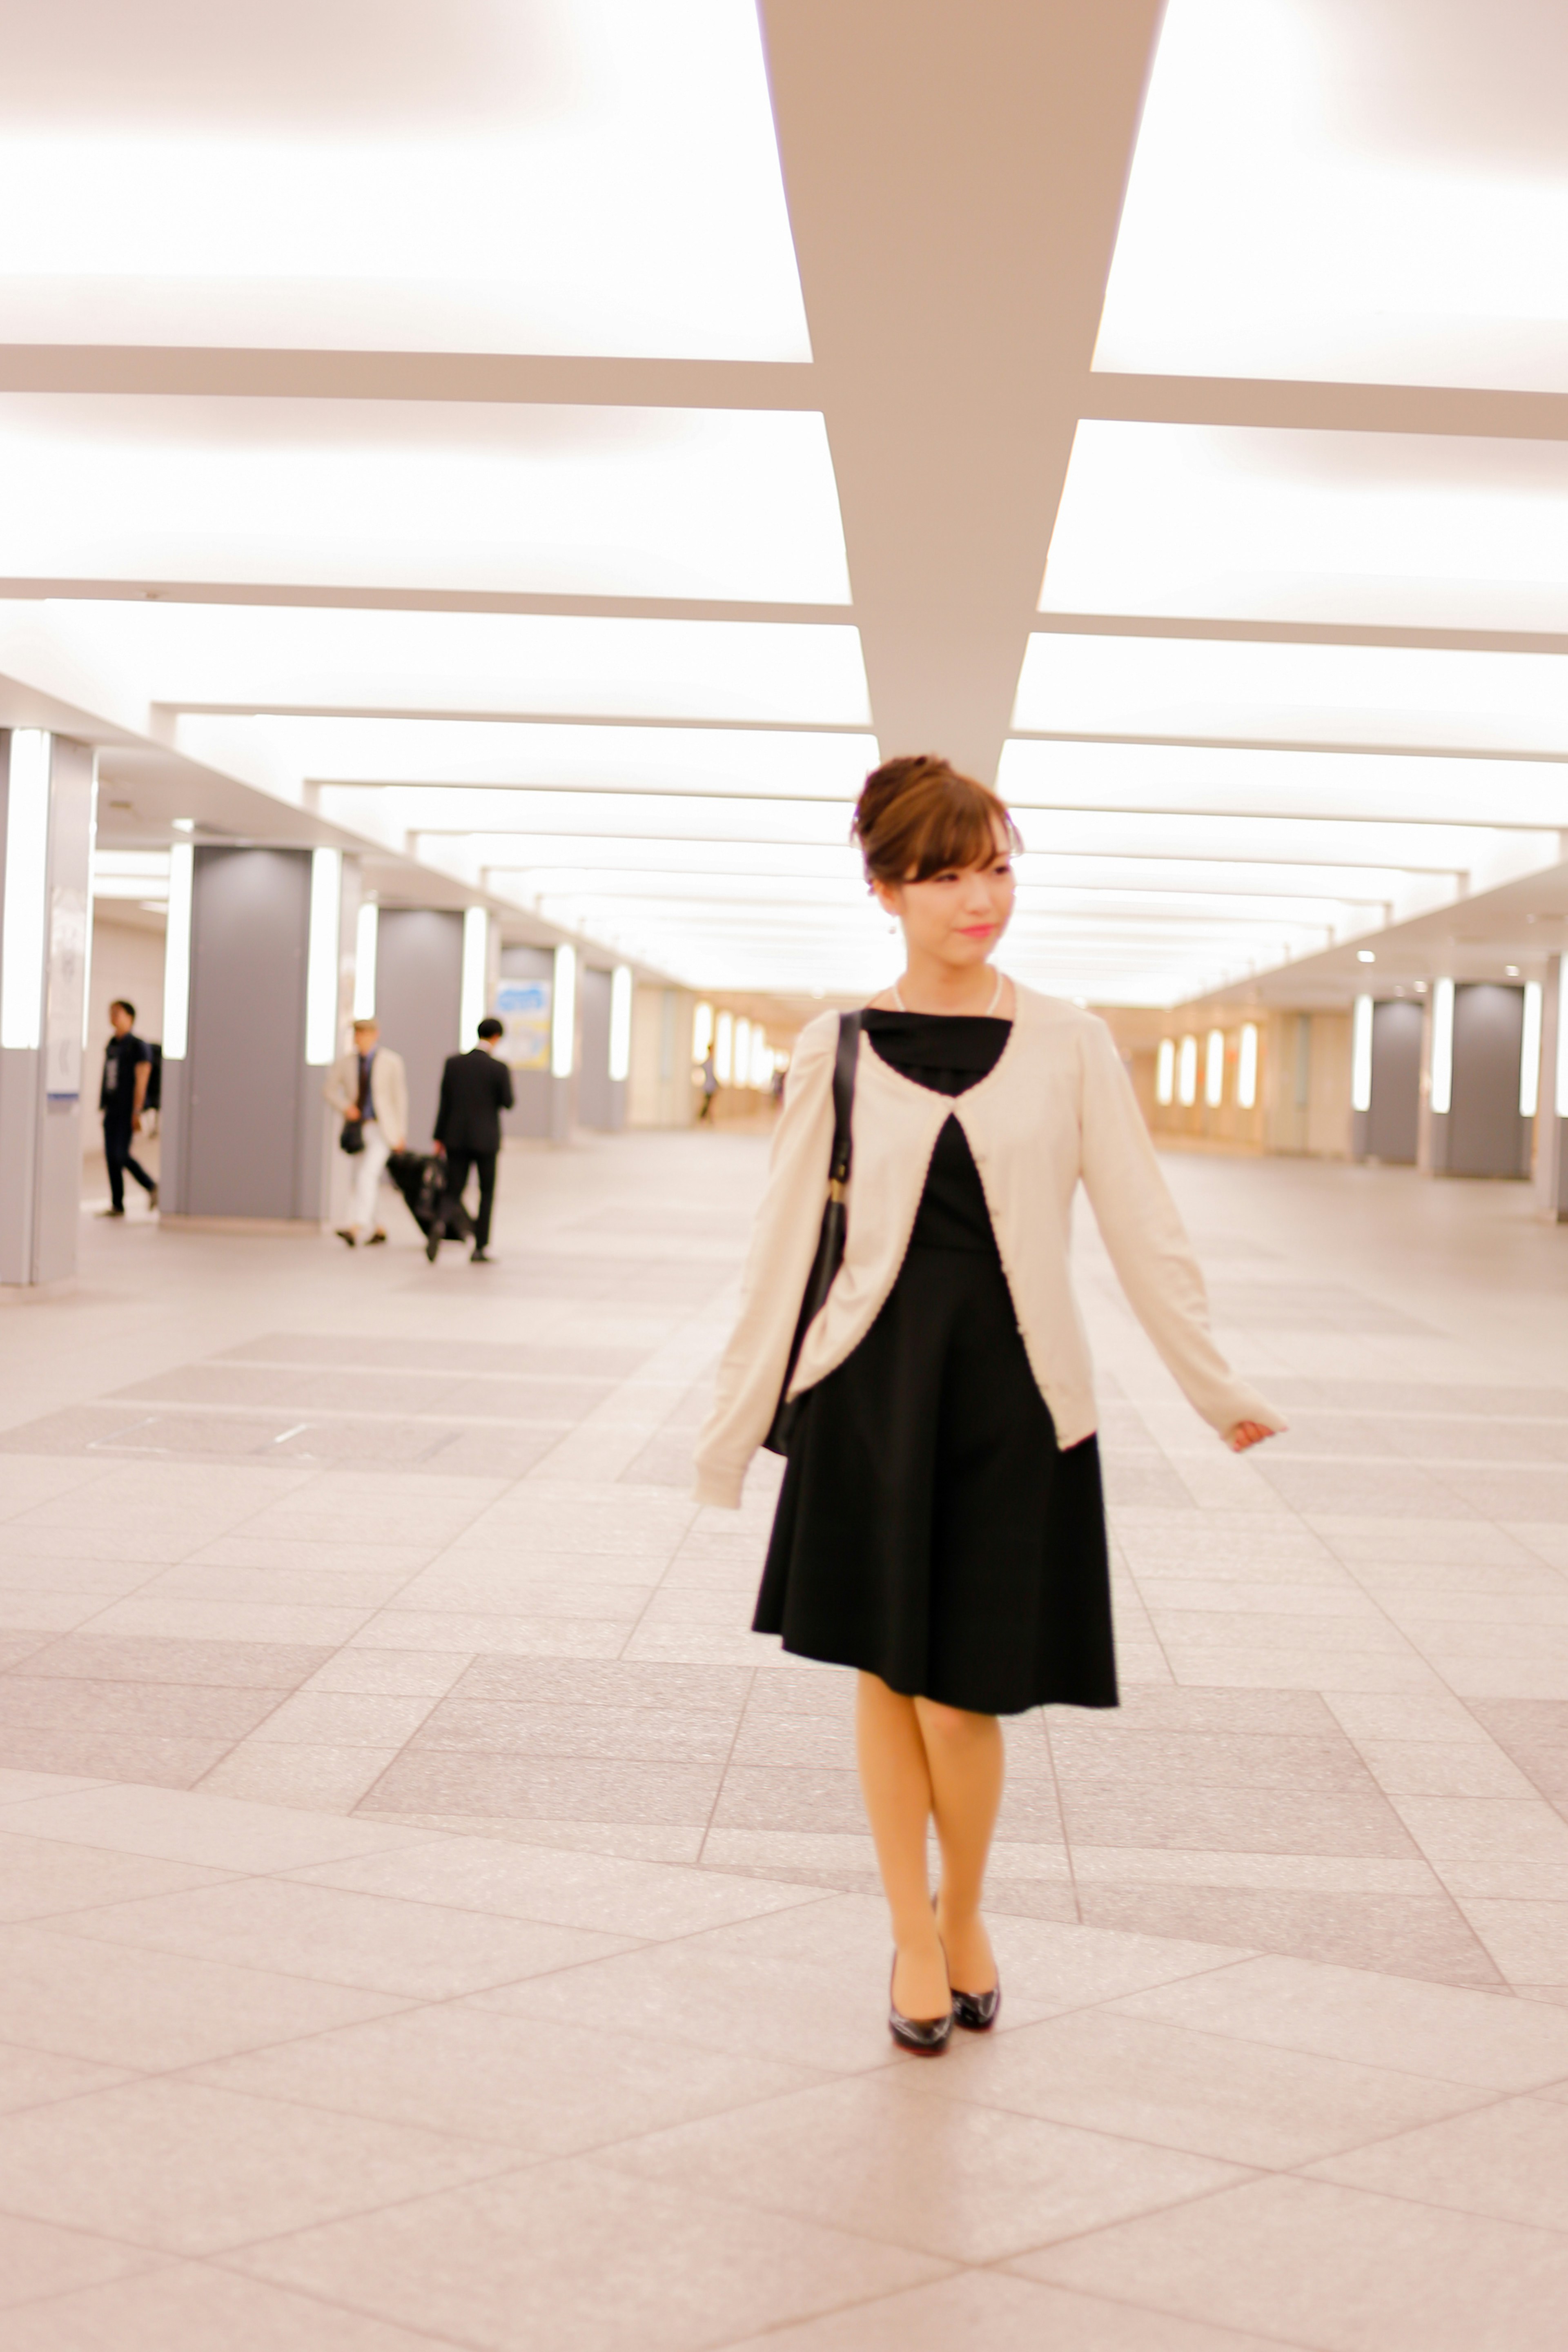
x: 965, y: 1761
x: 896, y: 1784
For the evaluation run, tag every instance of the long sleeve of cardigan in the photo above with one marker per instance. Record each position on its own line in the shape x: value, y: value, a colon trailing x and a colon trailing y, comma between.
x: 1148, y: 1245
x: 783, y: 1243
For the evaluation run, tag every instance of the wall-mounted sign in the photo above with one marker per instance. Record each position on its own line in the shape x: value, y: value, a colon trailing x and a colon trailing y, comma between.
x: 522, y: 1007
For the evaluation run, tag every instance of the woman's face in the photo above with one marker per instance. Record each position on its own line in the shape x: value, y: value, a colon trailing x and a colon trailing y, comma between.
x: 956, y: 917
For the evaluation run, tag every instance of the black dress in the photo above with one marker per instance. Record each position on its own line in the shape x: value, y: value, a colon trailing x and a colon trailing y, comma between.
x: 930, y: 1529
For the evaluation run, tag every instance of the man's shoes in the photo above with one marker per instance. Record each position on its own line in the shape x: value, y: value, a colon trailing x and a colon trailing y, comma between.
x: 152, y: 1196
x: 112, y: 1213
x: 481, y: 1256
x: 432, y: 1244
x: 379, y: 1235
x: 347, y: 1233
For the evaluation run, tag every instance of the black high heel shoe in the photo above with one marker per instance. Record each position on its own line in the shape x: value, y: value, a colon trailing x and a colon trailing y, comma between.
x: 975, y: 2011
x: 927, y: 2036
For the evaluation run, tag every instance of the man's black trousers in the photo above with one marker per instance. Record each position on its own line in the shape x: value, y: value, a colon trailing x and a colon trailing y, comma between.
x: 457, y: 1166
x: 117, y: 1153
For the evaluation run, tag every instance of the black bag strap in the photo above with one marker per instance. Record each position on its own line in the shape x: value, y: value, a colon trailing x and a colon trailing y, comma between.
x: 843, y: 1066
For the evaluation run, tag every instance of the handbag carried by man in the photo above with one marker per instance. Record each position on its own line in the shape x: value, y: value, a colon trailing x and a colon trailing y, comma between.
x: 830, y: 1243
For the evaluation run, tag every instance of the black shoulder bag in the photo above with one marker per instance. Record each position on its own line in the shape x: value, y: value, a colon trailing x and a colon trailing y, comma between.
x: 830, y: 1245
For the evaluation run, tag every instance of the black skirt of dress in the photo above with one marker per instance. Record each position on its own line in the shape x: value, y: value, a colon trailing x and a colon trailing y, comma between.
x: 930, y: 1529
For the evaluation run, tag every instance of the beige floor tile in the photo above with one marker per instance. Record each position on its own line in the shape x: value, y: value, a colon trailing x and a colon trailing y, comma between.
x: 188, y: 2169
x: 1446, y: 2033
x: 1333, y: 2268
x: 570, y: 1889
x: 497, y: 2267
x: 332, y: 1936
x: 1485, y: 1829
x: 39, y: 1877
x: 319, y: 1779
x: 1508, y: 2159
x: 1241, y: 2101
x: 496, y: 1633
x: 1430, y: 1768
x: 230, y: 1620
x: 991, y: 2311
x: 217, y: 1833
x: 40, y: 2260
x: 118, y: 2007
x: 952, y: 2178
x: 33, y: 2078
x: 543, y: 2088
x: 194, y: 2307
x: 389, y: 1674
x: 1529, y: 1941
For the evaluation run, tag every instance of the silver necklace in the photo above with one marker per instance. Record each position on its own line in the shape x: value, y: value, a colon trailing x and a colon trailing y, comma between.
x: 900, y: 1006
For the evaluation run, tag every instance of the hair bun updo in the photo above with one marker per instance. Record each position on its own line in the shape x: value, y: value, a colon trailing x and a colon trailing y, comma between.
x: 917, y: 817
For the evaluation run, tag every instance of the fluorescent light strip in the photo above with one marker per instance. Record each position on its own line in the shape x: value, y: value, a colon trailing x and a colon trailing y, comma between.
x: 366, y: 939
x: 1530, y: 1052
x: 1361, y: 1054
x: 322, y: 960
x: 472, y: 1003
x: 22, y: 947
x: 1443, y: 1048
x: 177, y: 953
x: 621, y: 1021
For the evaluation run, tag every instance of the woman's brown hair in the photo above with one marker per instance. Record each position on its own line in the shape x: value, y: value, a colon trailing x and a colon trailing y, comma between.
x: 917, y: 817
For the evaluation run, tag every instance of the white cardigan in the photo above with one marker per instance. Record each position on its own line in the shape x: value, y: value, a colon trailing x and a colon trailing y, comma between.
x: 1057, y: 1108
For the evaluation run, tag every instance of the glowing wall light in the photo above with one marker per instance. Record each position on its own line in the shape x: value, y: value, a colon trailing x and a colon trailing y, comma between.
x: 177, y: 953
x: 621, y: 1021
x: 1530, y: 1052
x: 1214, y: 1070
x: 1246, y: 1068
x: 1562, y: 1090
x: 1165, y: 1072
x: 563, y: 1013
x: 723, y: 1048
x: 740, y: 1053
x: 367, y: 934
x: 1361, y: 1054
x: 1187, y: 1073
x: 761, y: 1060
x: 26, y: 891
x: 472, y: 1004
x: 701, y: 1032
x: 322, y: 957
x: 92, y: 870
x: 1443, y: 1046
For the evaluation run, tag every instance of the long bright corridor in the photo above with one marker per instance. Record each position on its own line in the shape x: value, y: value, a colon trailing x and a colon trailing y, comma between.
x: 434, y: 1919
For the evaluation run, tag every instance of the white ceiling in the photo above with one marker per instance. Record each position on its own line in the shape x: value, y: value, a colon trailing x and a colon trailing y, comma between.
x: 555, y: 447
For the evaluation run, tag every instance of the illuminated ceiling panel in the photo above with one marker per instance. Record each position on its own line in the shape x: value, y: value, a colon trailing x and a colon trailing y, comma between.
x: 1232, y: 689
x: 629, y: 759
x: 257, y: 658
x: 589, y: 176
x: 1206, y: 780
x: 1348, y: 189
x: 733, y: 504
x: 1212, y: 521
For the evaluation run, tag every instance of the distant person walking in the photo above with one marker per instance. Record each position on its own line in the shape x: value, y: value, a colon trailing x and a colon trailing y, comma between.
x: 710, y: 1087
x: 475, y: 1089
x: 368, y: 1087
x: 123, y: 1098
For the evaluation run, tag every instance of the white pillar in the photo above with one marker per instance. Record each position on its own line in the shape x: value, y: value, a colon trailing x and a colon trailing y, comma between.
x: 48, y: 791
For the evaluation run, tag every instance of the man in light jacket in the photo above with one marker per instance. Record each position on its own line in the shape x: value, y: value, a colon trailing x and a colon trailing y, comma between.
x: 369, y: 1085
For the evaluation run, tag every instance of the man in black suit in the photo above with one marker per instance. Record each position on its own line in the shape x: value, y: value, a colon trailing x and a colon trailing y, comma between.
x: 474, y: 1090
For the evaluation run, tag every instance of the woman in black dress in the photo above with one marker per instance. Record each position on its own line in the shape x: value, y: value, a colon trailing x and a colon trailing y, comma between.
x: 932, y: 1531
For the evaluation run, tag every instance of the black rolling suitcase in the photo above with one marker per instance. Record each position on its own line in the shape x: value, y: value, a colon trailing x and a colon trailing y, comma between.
x: 421, y: 1178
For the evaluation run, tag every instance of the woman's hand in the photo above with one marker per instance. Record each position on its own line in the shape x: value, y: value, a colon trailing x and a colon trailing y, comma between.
x: 1246, y: 1433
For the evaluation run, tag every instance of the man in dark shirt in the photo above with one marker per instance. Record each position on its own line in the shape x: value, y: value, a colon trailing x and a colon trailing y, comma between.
x: 127, y: 1066
x: 474, y: 1090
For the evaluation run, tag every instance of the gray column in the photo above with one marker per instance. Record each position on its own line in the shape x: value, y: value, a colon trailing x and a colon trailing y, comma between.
x: 1551, y: 1125
x: 601, y: 1097
x: 245, y: 1131
x: 1388, y: 1129
x: 418, y: 999
x: 1483, y: 1133
x: 47, y: 797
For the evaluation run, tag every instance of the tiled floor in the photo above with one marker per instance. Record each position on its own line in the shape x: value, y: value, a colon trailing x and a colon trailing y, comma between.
x: 429, y: 1917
